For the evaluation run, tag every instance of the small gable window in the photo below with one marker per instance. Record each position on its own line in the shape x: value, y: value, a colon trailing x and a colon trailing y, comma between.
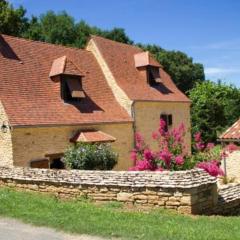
x: 153, y: 75
x: 168, y: 119
x: 71, y: 88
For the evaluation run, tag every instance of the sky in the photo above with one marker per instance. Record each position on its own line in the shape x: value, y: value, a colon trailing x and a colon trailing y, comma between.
x: 207, y: 30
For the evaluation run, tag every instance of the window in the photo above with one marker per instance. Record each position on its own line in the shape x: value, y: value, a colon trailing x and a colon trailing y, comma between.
x: 71, y: 89
x: 153, y: 75
x: 57, y: 163
x: 55, y: 160
x: 167, y: 119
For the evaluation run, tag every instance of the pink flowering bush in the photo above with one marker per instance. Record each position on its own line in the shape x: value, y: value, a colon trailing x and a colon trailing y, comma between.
x: 208, y: 156
x: 212, y: 167
x: 171, y: 153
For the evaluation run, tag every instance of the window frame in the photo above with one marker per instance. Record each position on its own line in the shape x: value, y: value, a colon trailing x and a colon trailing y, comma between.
x: 168, y: 118
x: 66, y: 92
x: 151, y: 79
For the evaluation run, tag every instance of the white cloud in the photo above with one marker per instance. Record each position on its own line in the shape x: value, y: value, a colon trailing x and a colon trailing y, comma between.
x: 222, y: 45
x: 217, y: 71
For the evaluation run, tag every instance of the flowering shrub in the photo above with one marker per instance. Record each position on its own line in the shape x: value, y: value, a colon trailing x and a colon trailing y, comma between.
x: 90, y: 157
x: 172, y: 154
x: 208, y: 156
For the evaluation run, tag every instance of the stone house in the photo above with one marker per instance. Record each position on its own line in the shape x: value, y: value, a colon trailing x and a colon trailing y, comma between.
x: 53, y: 96
x: 232, y: 162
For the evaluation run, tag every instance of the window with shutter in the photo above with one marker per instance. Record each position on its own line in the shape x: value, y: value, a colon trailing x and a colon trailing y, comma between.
x: 168, y: 119
x: 153, y: 75
x: 71, y: 89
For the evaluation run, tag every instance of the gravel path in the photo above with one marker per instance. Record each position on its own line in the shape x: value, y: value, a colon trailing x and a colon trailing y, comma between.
x: 11, y: 229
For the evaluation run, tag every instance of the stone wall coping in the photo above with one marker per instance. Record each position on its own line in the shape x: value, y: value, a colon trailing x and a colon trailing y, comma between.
x: 229, y: 193
x: 165, y: 179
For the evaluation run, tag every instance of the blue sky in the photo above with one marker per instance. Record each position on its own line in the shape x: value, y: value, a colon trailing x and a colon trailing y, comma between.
x: 207, y: 30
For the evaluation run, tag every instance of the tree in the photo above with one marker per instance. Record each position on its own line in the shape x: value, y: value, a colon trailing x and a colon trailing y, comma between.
x: 215, y: 106
x: 12, y: 21
x: 179, y: 66
x: 52, y: 28
x: 116, y: 34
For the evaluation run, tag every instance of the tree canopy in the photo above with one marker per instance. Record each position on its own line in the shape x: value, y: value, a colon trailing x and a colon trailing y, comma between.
x: 215, y: 106
x: 12, y: 21
x: 62, y: 29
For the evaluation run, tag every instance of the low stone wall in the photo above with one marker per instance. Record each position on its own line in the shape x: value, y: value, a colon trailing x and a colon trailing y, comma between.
x: 191, y: 191
x: 228, y: 201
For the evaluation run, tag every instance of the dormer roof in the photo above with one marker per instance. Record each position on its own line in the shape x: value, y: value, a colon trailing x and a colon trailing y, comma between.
x: 143, y: 59
x: 63, y: 65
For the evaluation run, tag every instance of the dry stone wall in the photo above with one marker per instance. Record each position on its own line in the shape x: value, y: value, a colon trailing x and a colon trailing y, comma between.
x: 228, y: 201
x: 191, y: 191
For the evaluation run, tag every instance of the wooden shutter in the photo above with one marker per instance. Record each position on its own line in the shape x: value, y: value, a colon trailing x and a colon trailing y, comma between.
x: 75, y: 88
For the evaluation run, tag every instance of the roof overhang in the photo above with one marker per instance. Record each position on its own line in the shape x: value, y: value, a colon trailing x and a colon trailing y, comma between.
x: 92, y: 137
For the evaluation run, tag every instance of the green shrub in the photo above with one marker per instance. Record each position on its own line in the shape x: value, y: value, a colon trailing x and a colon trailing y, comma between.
x: 90, y: 157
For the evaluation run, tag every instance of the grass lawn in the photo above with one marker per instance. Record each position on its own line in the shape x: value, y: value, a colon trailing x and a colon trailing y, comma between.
x: 110, y: 221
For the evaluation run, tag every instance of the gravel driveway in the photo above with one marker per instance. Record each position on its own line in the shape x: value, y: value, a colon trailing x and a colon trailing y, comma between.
x: 15, y: 230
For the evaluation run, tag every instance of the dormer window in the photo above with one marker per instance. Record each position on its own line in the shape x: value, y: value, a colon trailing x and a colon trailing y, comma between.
x: 153, y: 75
x: 70, y: 77
x: 148, y: 67
x: 71, y: 88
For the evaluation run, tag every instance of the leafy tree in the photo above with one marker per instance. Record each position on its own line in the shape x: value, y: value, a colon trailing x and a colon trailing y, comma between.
x: 116, y: 34
x: 215, y: 106
x: 179, y: 66
x: 52, y: 28
x: 12, y: 21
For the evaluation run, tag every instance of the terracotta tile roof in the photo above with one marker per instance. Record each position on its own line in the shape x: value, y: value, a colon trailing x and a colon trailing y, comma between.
x: 232, y: 133
x: 92, y: 136
x: 30, y: 97
x: 120, y: 59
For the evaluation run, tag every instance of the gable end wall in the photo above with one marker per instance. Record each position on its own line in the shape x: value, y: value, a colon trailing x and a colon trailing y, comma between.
x: 118, y: 93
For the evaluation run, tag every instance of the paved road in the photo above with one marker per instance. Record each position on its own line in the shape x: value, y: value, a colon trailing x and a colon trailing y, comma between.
x: 15, y: 230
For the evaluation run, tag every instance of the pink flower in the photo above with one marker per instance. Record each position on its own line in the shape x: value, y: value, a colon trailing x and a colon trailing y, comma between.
x: 232, y: 147
x: 166, y: 156
x: 212, y: 167
x: 148, y: 155
x: 138, y: 137
x: 155, y: 135
x: 179, y: 160
x: 200, y: 146
x: 177, y: 135
x: 144, y: 165
x: 133, y: 155
x: 162, y: 127
x: 139, y: 141
x: 198, y: 137
x: 210, y: 146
